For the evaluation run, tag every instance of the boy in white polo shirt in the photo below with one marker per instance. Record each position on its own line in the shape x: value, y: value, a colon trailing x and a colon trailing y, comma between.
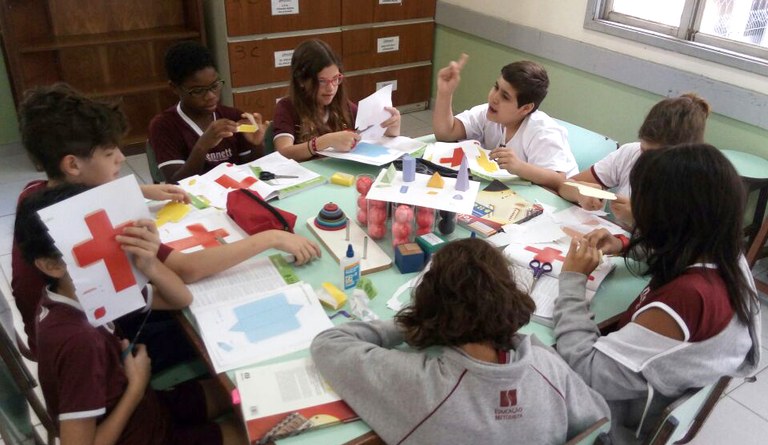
x: 524, y: 140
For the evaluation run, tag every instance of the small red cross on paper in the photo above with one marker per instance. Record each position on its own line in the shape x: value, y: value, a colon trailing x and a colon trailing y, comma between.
x: 455, y: 160
x: 226, y: 181
x: 200, y: 237
x: 104, y: 247
x: 546, y: 255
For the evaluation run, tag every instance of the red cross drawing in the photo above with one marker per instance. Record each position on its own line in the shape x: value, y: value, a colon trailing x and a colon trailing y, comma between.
x: 549, y: 255
x: 200, y: 237
x: 104, y: 247
x: 229, y: 183
x: 455, y: 160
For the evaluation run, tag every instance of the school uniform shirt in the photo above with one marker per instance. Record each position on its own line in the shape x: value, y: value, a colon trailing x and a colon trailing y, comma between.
x: 172, y: 135
x: 28, y: 283
x: 539, y: 141
x: 612, y: 172
x: 81, y: 373
x: 639, y: 371
x: 287, y: 122
x: 417, y: 397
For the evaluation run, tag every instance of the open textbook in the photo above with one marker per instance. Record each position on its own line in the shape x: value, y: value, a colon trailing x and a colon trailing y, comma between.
x: 450, y: 154
x: 212, y: 188
x: 545, y: 290
x: 285, y: 399
x: 495, y: 206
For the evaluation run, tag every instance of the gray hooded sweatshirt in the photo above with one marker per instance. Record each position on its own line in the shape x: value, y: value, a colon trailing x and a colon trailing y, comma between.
x: 418, y: 397
x: 638, y: 371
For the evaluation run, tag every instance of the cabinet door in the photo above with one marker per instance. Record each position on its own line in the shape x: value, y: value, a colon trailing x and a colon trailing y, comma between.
x: 387, y: 45
x: 245, y: 17
x: 355, y: 12
x: 268, y: 60
x: 410, y: 85
x: 260, y: 101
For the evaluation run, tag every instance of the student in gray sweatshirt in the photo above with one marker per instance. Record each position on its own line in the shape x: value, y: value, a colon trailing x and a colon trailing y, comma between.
x: 698, y: 319
x: 484, y: 383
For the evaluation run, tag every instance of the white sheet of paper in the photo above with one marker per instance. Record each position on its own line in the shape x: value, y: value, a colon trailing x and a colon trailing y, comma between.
x: 378, y: 152
x: 478, y: 159
x: 592, y: 191
x: 211, y: 219
x: 105, y: 293
x: 261, y: 326
x: 280, y: 165
x: 583, y: 221
x: 371, y: 113
x: 417, y: 193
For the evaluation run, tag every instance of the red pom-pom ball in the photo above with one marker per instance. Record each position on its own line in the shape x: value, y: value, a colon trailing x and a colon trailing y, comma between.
x: 376, y: 231
x: 363, y: 184
x: 403, y: 213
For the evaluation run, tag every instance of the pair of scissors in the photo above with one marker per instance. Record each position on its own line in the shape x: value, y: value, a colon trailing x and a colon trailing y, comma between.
x: 539, y: 269
x: 359, y: 131
x: 268, y: 176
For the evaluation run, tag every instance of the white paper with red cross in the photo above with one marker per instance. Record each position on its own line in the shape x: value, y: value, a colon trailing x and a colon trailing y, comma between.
x: 201, y: 229
x: 84, y: 227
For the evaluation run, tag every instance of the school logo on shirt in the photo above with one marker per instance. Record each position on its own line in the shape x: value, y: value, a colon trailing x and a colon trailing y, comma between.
x: 219, y: 156
x: 508, y: 409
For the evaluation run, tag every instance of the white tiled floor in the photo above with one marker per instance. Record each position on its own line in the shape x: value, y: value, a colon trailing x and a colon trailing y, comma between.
x: 740, y: 417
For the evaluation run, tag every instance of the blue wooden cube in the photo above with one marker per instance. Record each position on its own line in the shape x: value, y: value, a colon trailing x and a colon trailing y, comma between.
x: 409, y: 257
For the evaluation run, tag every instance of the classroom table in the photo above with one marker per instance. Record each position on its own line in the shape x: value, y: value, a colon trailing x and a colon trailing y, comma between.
x: 613, y: 297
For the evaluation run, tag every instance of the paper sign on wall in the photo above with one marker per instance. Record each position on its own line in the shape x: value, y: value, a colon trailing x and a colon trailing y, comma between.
x: 380, y: 85
x: 388, y: 44
x: 390, y: 2
x: 285, y: 7
x: 283, y: 58
x: 84, y: 227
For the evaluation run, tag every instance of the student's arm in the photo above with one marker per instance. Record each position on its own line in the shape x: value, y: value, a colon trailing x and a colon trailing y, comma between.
x: 445, y: 126
x: 340, y: 140
x: 164, y: 192
x: 195, y: 162
x: 507, y: 159
x: 143, y: 241
x: 256, y: 140
x: 571, y: 193
x: 584, y: 405
x: 197, y: 265
x: 622, y: 210
x: 86, y: 431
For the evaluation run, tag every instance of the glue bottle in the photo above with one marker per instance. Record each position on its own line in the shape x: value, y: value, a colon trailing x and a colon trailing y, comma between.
x: 350, y: 269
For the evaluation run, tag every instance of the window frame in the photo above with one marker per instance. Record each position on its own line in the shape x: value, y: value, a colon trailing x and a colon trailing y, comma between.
x: 681, y: 39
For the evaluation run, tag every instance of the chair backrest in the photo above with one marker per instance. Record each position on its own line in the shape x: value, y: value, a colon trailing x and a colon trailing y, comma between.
x: 683, y: 418
x: 598, y: 433
x: 18, y: 384
x: 757, y: 251
x: 587, y: 146
x: 154, y: 170
x: 269, y: 143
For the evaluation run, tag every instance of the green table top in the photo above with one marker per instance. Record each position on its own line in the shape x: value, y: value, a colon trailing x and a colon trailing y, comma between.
x: 613, y: 297
x: 748, y: 165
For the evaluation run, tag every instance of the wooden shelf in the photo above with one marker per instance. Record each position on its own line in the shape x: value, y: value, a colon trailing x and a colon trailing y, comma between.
x: 154, y: 34
x: 131, y: 90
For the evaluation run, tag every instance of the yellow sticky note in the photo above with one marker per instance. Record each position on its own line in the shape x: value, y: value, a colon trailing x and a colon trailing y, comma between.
x: 247, y: 128
x: 592, y: 192
x: 172, y: 212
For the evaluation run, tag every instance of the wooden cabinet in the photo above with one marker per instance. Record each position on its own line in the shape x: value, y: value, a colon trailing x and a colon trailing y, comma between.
x: 104, y: 48
x: 379, y: 41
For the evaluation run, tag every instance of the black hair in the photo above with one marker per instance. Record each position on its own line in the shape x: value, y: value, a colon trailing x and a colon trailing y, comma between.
x: 184, y: 59
x: 56, y: 121
x: 30, y: 232
x: 688, y: 206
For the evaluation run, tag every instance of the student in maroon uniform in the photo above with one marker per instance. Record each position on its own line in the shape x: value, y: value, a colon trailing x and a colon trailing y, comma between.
x: 198, y: 133
x: 317, y: 114
x: 93, y: 394
x: 697, y: 320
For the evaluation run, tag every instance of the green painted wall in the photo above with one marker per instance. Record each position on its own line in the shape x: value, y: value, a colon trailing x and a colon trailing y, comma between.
x: 9, y: 129
x: 590, y: 101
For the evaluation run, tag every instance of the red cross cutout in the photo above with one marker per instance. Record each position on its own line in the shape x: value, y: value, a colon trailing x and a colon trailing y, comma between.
x: 104, y: 247
x: 229, y: 183
x: 455, y: 160
x: 549, y: 255
x: 200, y: 237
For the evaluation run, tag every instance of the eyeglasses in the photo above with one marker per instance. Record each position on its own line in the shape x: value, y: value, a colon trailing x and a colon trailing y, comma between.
x: 198, y: 92
x: 335, y: 80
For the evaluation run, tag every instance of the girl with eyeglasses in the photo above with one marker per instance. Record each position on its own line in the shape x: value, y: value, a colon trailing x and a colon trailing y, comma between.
x: 317, y: 114
x: 198, y: 133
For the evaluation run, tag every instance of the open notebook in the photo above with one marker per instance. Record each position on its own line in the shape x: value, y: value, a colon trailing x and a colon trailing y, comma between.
x: 546, y: 289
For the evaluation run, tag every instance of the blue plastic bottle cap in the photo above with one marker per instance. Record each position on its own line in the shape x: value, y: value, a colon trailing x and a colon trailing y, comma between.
x: 350, y: 251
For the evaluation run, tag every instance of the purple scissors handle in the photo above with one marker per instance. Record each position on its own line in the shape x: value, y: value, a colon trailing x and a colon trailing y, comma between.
x: 539, y: 269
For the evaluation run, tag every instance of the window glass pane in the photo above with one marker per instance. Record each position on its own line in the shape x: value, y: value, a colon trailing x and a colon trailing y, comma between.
x: 740, y: 20
x: 667, y: 12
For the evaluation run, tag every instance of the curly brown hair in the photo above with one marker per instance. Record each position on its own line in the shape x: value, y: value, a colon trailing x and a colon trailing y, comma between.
x: 468, y: 295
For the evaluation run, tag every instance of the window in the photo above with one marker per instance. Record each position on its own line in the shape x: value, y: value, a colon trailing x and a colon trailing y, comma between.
x: 732, y: 32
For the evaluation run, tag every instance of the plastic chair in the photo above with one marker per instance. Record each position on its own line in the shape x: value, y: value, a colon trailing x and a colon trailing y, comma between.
x: 683, y: 418
x: 18, y: 395
x: 154, y: 170
x: 269, y: 143
x: 587, y: 146
x: 757, y: 251
x: 754, y: 173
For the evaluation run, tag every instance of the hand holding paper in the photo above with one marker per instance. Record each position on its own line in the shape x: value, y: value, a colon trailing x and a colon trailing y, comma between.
x: 372, y: 112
